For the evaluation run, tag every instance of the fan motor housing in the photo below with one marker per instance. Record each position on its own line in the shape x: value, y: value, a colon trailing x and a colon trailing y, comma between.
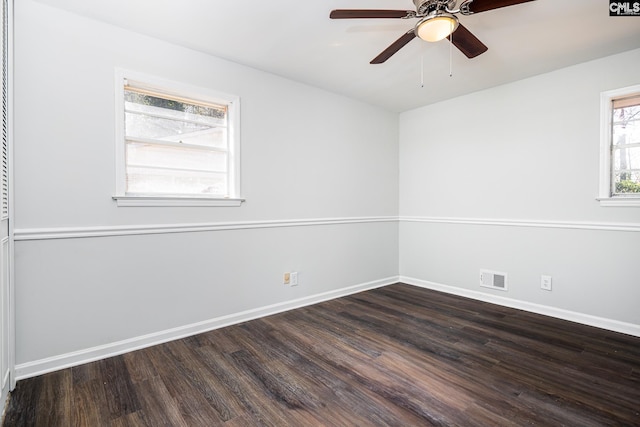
x: 424, y: 7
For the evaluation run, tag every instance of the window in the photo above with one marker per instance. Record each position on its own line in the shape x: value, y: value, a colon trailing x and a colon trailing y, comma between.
x: 620, y: 148
x: 177, y: 145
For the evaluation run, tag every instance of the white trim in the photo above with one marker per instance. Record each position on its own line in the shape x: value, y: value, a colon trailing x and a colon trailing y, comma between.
x: 602, y: 226
x: 120, y: 154
x: 22, y: 234
x: 42, y: 366
x: 572, y: 316
x: 127, y: 230
x: 620, y: 202
x: 606, y: 111
x: 12, y: 305
x: 5, y: 289
x: 147, y: 201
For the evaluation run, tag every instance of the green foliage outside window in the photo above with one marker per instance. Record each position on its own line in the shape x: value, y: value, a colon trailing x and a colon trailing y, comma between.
x: 627, y: 186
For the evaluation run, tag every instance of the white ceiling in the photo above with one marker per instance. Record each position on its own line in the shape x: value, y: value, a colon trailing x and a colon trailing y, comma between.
x: 296, y: 39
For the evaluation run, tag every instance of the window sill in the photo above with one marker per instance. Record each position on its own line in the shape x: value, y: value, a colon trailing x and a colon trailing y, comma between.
x: 152, y: 201
x: 619, y: 201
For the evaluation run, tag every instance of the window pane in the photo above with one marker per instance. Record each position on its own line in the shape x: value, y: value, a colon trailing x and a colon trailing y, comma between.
x: 626, y: 134
x: 141, y: 126
x: 139, y: 154
x: 212, y: 137
x: 626, y: 125
x: 626, y: 183
x: 171, y: 182
x: 626, y: 158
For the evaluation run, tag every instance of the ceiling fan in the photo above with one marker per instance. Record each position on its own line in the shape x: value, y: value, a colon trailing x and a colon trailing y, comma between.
x: 438, y: 20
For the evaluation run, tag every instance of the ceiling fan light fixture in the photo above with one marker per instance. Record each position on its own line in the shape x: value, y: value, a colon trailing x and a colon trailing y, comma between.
x: 436, y: 27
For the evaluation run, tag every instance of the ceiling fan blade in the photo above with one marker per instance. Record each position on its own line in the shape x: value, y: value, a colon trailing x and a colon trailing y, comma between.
x: 370, y: 13
x: 477, y: 6
x: 395, y: 47
x: 468, y: 44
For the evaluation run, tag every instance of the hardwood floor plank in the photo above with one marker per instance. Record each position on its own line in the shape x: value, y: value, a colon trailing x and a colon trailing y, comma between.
x: 341, y: 361
x: 158, y: 408
x: 196, y: 371
x: 133, y: 419
x: 182, y: 383
x: 393, y: 356
x: 120, y: 394
x: 86, y: 372
x: 139, y: 366
x: 369, y: 406
x: 54, y: 402
x: 246, y: 394
x: 89, y: 407
x: 22, y: 407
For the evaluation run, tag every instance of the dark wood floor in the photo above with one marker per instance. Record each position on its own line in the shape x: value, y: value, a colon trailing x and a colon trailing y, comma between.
x: 395, y: 356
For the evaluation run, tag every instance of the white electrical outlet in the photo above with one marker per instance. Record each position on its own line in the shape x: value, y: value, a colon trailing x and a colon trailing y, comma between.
x: 545, y: 283
x: 294, y: 278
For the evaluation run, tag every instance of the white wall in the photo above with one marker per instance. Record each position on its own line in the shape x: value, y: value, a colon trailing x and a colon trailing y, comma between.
x: 307, y: 155
x: 507, y: 179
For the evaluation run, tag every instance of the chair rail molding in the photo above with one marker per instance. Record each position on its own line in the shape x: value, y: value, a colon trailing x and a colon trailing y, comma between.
x: 22, y: 234
x: 575, y: 225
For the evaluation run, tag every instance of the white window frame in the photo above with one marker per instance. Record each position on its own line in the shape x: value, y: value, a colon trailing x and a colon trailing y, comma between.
x: 606, y: 114
x: 182, y: 90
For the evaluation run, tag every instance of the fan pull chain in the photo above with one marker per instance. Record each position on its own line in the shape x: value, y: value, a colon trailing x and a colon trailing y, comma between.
x: 451, y: 55
x: 422, y: 70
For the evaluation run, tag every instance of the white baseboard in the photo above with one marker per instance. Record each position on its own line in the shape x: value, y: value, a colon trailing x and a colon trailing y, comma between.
x: 62, y: 361
x: 43, y: 366
x: 585, y: 319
